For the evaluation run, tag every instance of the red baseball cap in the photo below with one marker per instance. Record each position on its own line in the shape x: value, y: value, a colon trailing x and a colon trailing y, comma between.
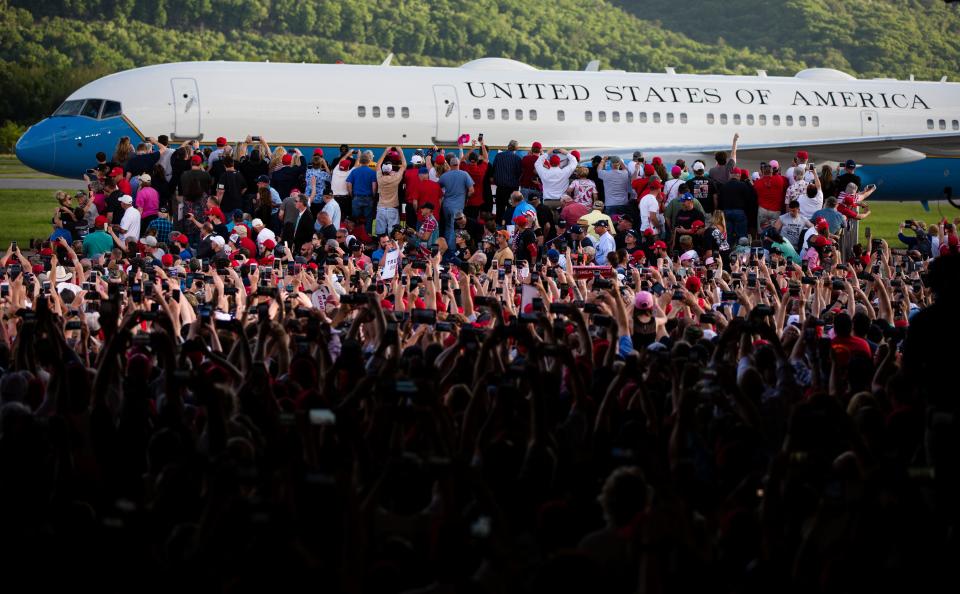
x: 659, y: 245
x: 216, y: 212
x: 536, y: 145
x: 850, y: 199
x: 269, y: 244
x: 318, y: 151
x: 196, y: 159
x: 100, y: 221
x: 657, y: 161
x: 649, y: 231
x: 653, y: 185
x: 520, y: 220
x: 693, y: 284
x: 648, y: 170
x: 167, y: 260
x: 440, y: 160
x: 344, y: 164
x: 287, y: 159
x: 819, y: 241
x: 221, y: 141
x: 822, y: 225
x: 696, y: 225
x: 576, y: 155
x: 116, y: 171
x: 554, y: 160
x: 802, y: 155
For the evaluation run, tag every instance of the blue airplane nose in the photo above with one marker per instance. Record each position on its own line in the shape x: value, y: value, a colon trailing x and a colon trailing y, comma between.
x: 37, y: 148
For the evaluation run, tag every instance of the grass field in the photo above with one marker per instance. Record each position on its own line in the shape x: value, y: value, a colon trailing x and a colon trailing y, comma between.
x: 11, y: 167
x: 26, y: 214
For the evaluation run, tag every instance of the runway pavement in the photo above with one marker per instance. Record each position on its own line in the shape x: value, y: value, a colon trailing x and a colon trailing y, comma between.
x: 42, y: 184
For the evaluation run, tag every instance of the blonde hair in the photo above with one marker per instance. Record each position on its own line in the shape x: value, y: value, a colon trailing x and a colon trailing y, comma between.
x: 62, y: 197
x: 719, y: 220
x: 581, y: 172
x: 124, y: 150
x: 276, y: 159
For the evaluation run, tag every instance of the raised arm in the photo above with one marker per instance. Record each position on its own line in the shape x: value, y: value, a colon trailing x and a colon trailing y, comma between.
x: 733, y: 149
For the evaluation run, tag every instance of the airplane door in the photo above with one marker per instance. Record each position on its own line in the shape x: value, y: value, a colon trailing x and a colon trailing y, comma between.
x: 869, y: 123
x: 448, y: 114
x: 186, y: 108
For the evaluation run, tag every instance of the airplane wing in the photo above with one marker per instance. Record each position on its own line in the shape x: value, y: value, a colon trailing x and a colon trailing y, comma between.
x: 884, y: 150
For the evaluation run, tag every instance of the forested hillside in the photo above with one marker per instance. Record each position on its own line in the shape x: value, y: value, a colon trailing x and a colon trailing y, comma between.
x: 48, y: 48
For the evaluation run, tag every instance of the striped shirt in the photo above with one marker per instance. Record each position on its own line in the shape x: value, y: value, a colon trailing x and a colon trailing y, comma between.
x: 506, y: 169
x: 163, y: 227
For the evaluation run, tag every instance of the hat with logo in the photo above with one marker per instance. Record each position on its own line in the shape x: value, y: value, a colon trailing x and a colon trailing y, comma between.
x: 576, y: 229
x: 263, y: 179
x: 344, y: 164
x: 686, y: 197
x: 116, y: 172
x: 659, y: 245
x: 601, y: 223
x: 850, y: 164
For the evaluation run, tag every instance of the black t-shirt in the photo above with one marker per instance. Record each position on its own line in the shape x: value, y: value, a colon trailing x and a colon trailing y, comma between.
x: 251, y: 170
x: 141, y: 164
x: 527, y: 236
x: 233, y: 189
x: 328, y: 232
x: 703, y: 189
x: 840, y: 184
x: 685, y: 218
x: 113, y: 205
x: 195, y: 182
x: 545, y: 215
x: 736, y: 195
x: 284, y: 180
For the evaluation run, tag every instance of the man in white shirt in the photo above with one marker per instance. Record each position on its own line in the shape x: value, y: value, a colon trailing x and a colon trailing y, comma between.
x: 262, y: 232
x: 792, y: 225
x: 331, y: 207
x: 650, y: 208
x: 605, y: 242
x: 812, y: 199
x: 130, y: 223
x: 554, y: 176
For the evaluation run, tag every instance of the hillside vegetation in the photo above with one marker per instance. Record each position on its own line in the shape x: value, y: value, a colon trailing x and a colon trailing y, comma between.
x: 49, y: 48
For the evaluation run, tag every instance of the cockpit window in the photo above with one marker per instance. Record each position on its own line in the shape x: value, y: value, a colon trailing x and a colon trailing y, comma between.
x: 110, y: 109
x: 91, y: 108
x: 69, y: 108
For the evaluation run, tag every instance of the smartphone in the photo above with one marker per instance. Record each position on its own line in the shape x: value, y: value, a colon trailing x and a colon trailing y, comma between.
x: 322, y: 416
x: 424, y: 316
x: 480, y: 138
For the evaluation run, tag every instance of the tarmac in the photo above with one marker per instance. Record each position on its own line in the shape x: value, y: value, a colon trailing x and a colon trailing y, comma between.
x: 41, y: 184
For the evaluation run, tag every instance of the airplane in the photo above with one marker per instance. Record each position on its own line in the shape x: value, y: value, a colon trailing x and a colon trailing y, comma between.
x: 904, y: 135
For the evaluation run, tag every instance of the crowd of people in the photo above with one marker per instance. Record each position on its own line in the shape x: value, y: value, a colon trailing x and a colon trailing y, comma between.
x: 536, y: 371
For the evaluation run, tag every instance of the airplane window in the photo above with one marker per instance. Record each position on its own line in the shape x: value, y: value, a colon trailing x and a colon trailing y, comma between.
x: 110, y: 109
x: 561, y: 116
x: 736, y: 119
x: 602, y: 116
x: 656, y: 117
x: 643, y: 117
x: 762, y: 119
x: 404, y: 112
x: 491, y: 114
x: 956, y: 125
x: 789, y: 120
x: 533, y: 115
x: 815, y: 120
x: 519, y: 114
x: 91, y: 108
x: 391, y: 112
x: 69, y: 108
x: 929, y: 124
x: 683, y: 118
x: 711, y: 119
x: 361, y: 111
x: 376, y: 111
x: 504, y: 114
x: 750, y: 119
x: 802, y: 120
x: 616, y: 116
x: 629, y: 115
x: 943, y: 124
x: 723, y: 119
x: 670, y: 118
x: 776, y: 120
x: 476, y: 113
x: 588, y: 116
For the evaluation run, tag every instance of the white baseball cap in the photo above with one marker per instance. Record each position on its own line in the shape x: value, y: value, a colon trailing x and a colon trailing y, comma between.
x: 145, y: 177
x: 699, y: 166
x: 256, y: 223
x: 218, y: 240
x: 416, y: 160
x: 126, y: 199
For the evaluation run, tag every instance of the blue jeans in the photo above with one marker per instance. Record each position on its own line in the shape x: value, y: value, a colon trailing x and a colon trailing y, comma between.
x: 736, y: 225
x: 363, y: 207
x: 450, y: 209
